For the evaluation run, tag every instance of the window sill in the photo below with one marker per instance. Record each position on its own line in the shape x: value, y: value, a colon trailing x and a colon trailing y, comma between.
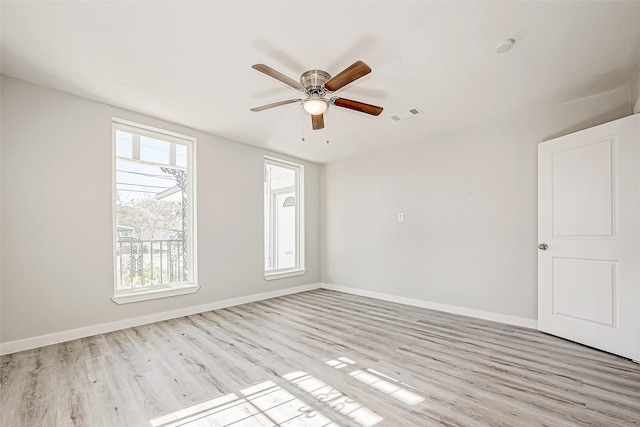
x: 149, y: 294
x: 283, y: 274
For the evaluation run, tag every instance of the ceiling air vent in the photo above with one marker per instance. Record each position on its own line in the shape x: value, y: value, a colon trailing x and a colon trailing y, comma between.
x: 406, y: 114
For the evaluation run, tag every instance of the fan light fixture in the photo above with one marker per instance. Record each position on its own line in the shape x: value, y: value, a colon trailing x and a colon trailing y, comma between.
x: 315, y: 84
x: 315, y: 106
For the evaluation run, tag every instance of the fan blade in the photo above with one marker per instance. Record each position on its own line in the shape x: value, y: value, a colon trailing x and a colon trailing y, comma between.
x: 357, y: 106
x: 317, y: 122
x: 275, y: 104
x: 278, y: 76
x: 354, y: 72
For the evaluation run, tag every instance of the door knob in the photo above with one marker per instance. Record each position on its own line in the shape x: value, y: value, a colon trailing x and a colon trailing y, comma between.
x: 543, y: 246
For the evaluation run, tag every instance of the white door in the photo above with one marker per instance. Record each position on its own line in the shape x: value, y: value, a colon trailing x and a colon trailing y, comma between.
x: 589, y: 237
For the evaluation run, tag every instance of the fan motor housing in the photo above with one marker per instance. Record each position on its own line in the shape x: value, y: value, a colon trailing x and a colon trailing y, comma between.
x: 314, y: 80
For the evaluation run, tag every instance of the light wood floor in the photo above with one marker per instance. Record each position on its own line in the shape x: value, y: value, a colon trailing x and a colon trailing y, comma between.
x: 320, y: 358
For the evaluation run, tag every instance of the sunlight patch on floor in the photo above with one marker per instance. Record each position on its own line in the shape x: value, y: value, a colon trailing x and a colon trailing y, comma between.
x: 334, y: 398
x: 377, y: 380
x: 263, y: 405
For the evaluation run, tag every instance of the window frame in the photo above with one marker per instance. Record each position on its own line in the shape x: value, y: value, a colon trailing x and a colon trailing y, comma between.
x: 299, y: 267
x: 124, y: 296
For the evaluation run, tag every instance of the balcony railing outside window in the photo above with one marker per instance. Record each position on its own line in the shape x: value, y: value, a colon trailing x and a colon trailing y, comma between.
x: 143, y: 263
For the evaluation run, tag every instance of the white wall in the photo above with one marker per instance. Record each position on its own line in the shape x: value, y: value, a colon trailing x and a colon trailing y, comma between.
x: 469, y: 200
x: 56, y: 229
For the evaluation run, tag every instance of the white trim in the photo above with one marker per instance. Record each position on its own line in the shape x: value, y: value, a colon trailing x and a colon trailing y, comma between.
x: 463, y: 311
x: 636, y: 108
x: 278, y: 160
x: 87, y: 331
x: 59, y: 337
x: 146, y: 294
x: 148, y: 163
x: 134, y: 127
x: 282, y: 274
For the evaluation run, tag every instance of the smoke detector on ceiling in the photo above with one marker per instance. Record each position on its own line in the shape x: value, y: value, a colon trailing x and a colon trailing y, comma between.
x: 406, y: 114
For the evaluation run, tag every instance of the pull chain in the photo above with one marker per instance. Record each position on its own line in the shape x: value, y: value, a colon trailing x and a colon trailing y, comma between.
x: 326, y: 133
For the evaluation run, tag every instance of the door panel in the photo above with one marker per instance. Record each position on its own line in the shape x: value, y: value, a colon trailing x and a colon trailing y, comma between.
x: 583, y: 182
x: 589, y: 216
x: 584, y: 289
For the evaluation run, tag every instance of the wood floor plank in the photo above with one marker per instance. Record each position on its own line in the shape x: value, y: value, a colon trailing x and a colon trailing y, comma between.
x: 351, y: 360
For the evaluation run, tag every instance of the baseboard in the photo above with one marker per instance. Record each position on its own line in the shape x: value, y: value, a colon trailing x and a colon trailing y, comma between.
x: 64, y: 336
x: 463, y: 311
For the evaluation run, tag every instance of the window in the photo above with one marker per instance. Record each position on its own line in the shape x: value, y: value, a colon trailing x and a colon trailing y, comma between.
x: 283, y: 219
x: 154, y: 213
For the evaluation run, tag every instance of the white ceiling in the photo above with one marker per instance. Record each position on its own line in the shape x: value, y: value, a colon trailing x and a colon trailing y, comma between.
x: 190, y: 62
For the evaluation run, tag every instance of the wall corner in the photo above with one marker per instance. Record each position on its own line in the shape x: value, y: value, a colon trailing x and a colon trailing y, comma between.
x: 635, y: 92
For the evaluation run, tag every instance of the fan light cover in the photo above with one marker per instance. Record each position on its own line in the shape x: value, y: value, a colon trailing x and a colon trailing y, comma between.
x: 315, y: 106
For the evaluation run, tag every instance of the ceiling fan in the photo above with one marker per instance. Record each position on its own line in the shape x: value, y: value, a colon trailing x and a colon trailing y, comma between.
x: 316, y: 84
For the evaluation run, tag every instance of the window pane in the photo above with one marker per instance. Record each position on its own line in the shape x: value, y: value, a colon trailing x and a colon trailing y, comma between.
x: 286, y: 232
x: 124, y: 144
x: 181, y: 155
x: 281, y: 177
x: 281, y: 216
x: 142, y: 201
x: 154, y: 150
